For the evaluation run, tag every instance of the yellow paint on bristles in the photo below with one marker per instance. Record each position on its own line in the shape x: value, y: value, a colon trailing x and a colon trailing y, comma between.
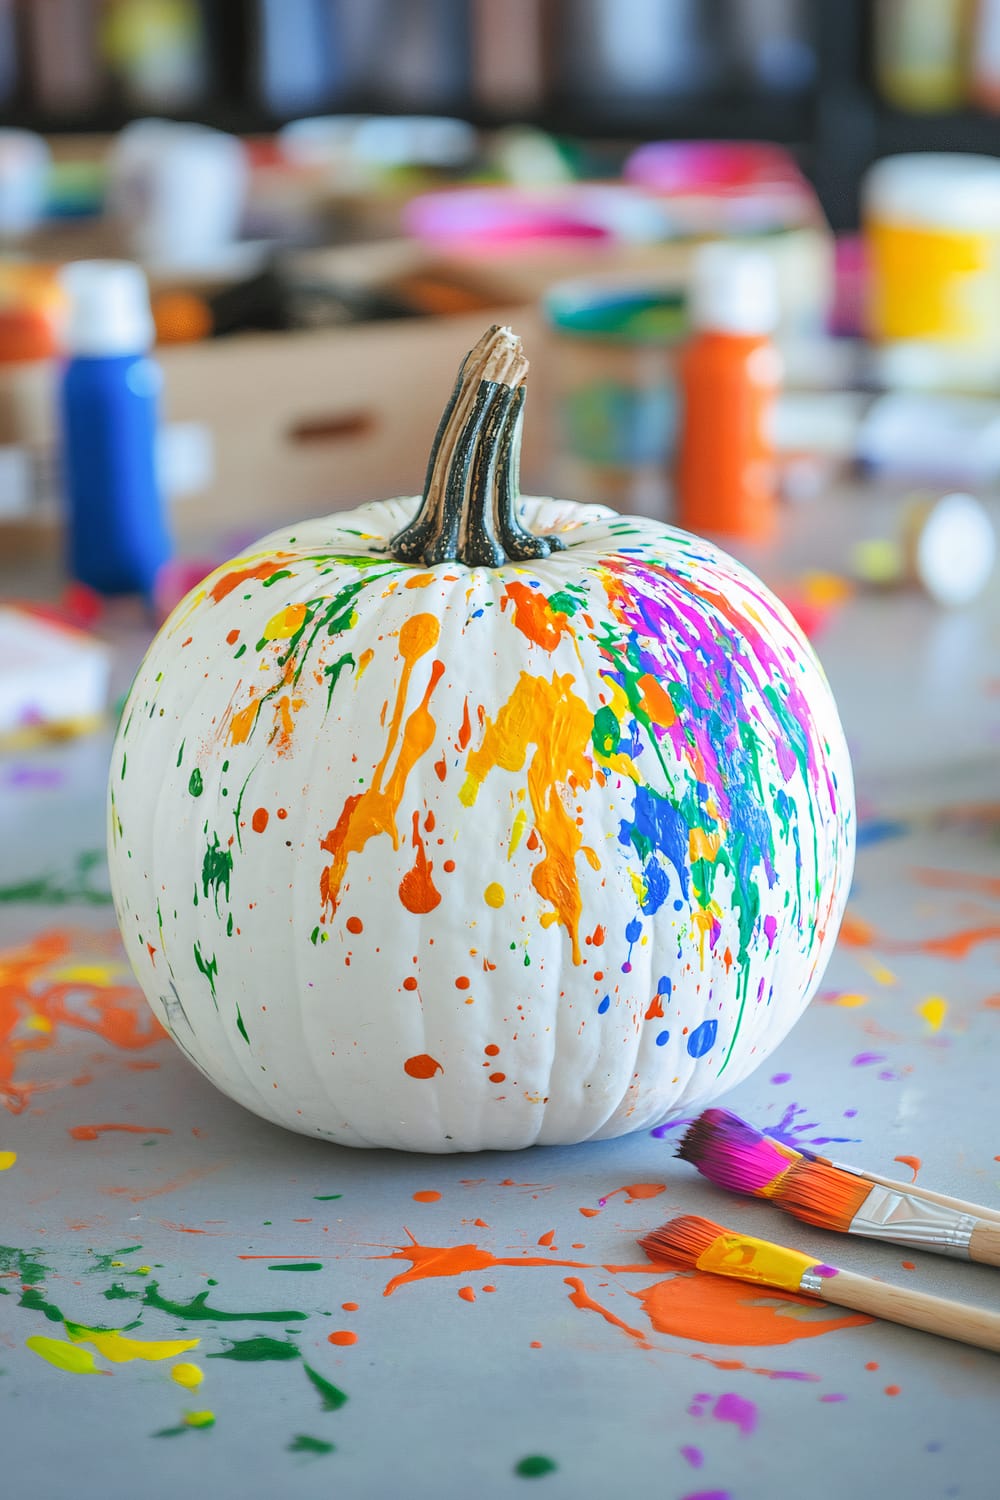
x: 933, y: 1009
x: 709, y: 1247
x: 64, y: 1356
x: 188, y: 1375
x: 122, y: 1350
x: 199, y: 1418
x: 7, y: 1160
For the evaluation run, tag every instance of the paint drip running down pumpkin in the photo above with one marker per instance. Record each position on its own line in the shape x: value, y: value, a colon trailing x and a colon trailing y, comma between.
x: 473, y: 821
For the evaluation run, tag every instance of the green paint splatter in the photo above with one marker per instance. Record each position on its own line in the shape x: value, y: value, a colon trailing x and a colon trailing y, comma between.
x: 326, y: 1197
x: 180, y: 753
x: 195, y: 784
x: 606, y: 733
x: 534, y: 1466
x: 302, y: 1265
x: 240, y: 1026
x: 332, y: 673
x: 208, y: 967
x: 34, y: 1299
x: 259, y: 1348
x: 303, y: 1444
x: 22, y: 1264
x: 216, y: 870
x: 197, y: 1309
x: 333, y: 1398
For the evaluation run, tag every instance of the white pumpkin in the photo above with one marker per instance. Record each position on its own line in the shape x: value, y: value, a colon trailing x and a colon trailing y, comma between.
x: 426, y: 834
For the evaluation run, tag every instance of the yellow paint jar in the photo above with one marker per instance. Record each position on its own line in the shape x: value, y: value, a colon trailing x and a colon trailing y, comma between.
x: 932, y: 230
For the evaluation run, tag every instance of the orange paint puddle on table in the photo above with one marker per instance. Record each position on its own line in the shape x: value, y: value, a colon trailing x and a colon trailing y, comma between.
x: 467, y: 1294
x: 343, y: 1337
x: 189, y: 1229
x: 428, y: 1262
x: 93, y: 1132
x: 580, y: 1297
x: 41, y: 991
x: 913, y: 1162
x: 427, y: 1195
x: 367, y: 814
x: 714, y: 1310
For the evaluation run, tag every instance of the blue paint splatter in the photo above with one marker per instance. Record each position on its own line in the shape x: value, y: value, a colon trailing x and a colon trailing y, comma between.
x: 702, y: 1038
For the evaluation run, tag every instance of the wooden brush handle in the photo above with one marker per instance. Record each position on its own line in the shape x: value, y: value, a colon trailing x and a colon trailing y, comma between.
x: 984, y: 1244
x: 952, y: 1320
x: 977, y: 1210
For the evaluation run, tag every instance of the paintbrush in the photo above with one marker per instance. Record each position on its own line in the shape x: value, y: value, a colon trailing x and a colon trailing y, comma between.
x: 734, y: 1155
x: 699, y: 1243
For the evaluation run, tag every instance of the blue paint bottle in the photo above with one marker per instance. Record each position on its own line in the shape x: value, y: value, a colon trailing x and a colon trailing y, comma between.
x: 109, y: 401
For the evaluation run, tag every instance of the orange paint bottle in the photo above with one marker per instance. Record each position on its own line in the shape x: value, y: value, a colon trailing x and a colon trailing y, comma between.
x: 729, y: 375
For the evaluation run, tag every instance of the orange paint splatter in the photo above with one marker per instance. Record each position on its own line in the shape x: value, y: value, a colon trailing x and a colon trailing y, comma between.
x: 580, y: 1297
x: 636, y: 1192
x: 417, y: 890
x: 535, y: 619
x: 342, y: 1336
x: 958, y: 880
x: 467, y: 1294
x: 355, y: 925
x: 427, y: 1262
x: 590, y: 1213
x: 462, y: 982
x: 913, y: 1162
x: 655, y: 1008
x: 547, y: 1237
x: 409, y: 983
x: 38, y: 981
x: 552, y: 718
x: 224, y: 586
x: 465, y: 728
x: 952, y: 945
x: 422, y: 1066
x: 535, y: 1344
x: 91, y: 1132
x: 349, y: 1306
x: 428, y: 1195
x: 373, y: 811
x: 892, y: 1390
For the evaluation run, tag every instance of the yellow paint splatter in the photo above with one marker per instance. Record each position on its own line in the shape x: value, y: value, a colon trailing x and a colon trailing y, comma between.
x: 933, y: 1009
x: 188, y: 1375
x: 7, y: 1160
x: 199, y: 1418
x: 64, y: 1356
x: 552, y: 718
x: 88, y: 973
x: 122, y: 1350
x: 285, y: 623
x: 851, y: 1001
x: 494, y: 895
x: 517, y: 830
x: 38, y: 1023
x: 878, y: 971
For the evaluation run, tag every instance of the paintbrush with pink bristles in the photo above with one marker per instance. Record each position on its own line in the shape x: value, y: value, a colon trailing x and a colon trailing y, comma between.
x: 735, y: 1155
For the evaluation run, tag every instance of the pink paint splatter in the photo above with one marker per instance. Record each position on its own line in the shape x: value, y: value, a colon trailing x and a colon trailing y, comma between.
x: 694, y: 1456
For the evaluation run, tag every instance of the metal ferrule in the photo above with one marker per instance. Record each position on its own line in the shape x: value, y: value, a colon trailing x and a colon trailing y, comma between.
x: 812, y: 1283
x: 905, y: 1220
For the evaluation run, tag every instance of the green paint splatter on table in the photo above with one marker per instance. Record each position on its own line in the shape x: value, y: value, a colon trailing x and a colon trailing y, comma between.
x: 326, y: 1197
x: 303, y: 1444
x: 304, y: 1265
x: 333, y: 1398
x: 197, y: 1308
x: 259, y: 1348
x: 59, y: 890
x: 534, y: 1466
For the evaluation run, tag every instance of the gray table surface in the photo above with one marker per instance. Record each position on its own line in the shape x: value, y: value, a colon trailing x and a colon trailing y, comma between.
x: 476, y: 1345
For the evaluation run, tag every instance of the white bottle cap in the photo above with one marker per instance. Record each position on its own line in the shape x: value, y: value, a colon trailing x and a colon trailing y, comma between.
x: 108, y: 310
x: 734, y: 289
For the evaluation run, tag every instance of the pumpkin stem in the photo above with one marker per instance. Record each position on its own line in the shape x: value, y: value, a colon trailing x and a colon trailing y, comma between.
x: 471, y: 493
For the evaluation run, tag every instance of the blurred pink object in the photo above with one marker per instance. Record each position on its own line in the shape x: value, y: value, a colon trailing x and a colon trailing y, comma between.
x: 850, y: 270
x: 508, y: 217
x: 177, y: 578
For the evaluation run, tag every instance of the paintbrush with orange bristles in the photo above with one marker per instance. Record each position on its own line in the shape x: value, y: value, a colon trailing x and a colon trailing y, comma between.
x: 734, y: 1155
x: 704, y: 1246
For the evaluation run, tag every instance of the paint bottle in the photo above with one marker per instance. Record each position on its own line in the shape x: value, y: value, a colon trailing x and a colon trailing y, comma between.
x: 117, y: 535
x: 729, y: 374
